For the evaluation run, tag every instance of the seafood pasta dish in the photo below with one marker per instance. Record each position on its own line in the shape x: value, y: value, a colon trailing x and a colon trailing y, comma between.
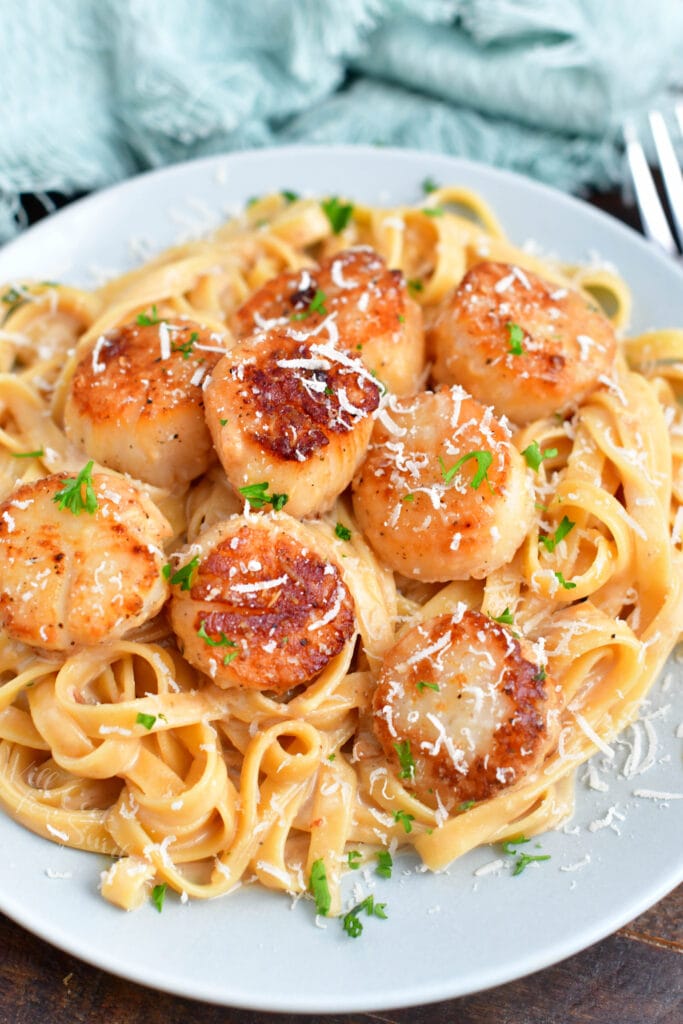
x: 340, y: 531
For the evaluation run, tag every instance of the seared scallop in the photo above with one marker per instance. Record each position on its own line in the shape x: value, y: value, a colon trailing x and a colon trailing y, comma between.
x: 260, y: 602
x: 135, y: 402
x: 443, y: 494
x: 463, y: 709
x: 288, y: 410
x: 375, y: 316
x: 80, y: 560
x: 519, y: 343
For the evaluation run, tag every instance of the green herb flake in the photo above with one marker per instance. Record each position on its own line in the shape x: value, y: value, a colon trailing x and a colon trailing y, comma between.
x: 541, y: 675
x: 354, y: 859
x: 159, y: 895
x: 331, y: 757
x: 465, y: 806
x: 483, y: 459
x: 433, y: 211
x: 423, y: 685
x: 223, y: 422
x: 565, y: 527
x: 510, y: 844
x: 318, y: 886
x: 71, y: 495
x: 257, y: 496
x: 405, y: 819
x: 415, y: 285
x: 338, y: 214
x: 37, y: 454
x: 567, y: 584
x: 147, y: 720
x: 385, y: 864
x: 184, y: 577
x: 288, y: 196
x: 147, y: 320
x: 408, y: 497
x: 405, y: 759
x: 351, y: 923
x: 515, y: 337
x: 187, y: 347
x: 223, y: 641
x: 526, y: 858
x: 342, y: 532
x: 534, y: 457
x: 506, y: 619
x: 429, y: 185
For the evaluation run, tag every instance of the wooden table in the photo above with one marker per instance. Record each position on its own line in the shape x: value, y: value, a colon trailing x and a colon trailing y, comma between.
x: 632, y: 977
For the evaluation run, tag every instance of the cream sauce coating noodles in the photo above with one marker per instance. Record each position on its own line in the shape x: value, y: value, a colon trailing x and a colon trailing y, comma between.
x: 296, y: 697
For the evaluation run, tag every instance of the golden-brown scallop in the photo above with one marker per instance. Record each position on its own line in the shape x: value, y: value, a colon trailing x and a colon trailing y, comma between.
x: 260, y: 602
x: 135, y: 402
x: 288, y: 409
x: 374, y: 314
x: 519, y: 343
x: 463, y: 709
x: 443, y: 493
x: 80, y: 560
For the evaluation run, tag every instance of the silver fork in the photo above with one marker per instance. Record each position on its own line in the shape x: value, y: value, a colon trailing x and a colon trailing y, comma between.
x: 652, y: 213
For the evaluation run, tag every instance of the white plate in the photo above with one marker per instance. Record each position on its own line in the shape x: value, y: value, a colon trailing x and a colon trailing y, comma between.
x: 446, y: 935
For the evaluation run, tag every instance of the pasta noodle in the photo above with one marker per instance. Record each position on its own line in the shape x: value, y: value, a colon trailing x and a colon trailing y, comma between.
x: 125, y: 748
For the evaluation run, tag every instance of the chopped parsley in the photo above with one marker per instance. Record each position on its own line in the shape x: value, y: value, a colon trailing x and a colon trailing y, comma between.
x: 515, y: 337
x: 331, y: 757
x: 159, y: 895
x: 506, y: 619
x: 187, y: 346
x: 147, y: 720
x: 433, y: 211
x: 351, y: 923
x: 534, y: 457
x: 13, y: 299
x: 223, y: 422
x: 257, y: 496
x: 567, y: 584
x: 415, y: 285
x: 145, y: 320
x: 184, y: 578
x: 523, y: 859
x: 288, y: 196
x: 71, y: 495
x: 408, y: 497
x: 465, y: 806
x: 342, y: 532
x: 540, y: 676
x: 339, y: 214
x: 317, y: 305
x: 318, y: 886
x: 354, y: 859
x: 423, y: 685
x: 405, y: 759
x: 405, y: 819
x: 384, y: 864
x: 565, y: 527
x: 483, y: 459
x: 429, y: 185
x: 224, y: 641
x: 37, y: 454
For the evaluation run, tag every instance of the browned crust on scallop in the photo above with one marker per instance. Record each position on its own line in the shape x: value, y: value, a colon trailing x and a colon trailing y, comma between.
x: 276, y: 649
x: 524, y: 726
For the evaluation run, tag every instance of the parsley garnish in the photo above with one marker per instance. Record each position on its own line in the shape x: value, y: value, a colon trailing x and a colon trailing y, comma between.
x: 433, y: 211
x: 342, y: 532
x: 568, y: 585
x: 257, y: 496
x: 384, y: 864
x: 351, y: 923
x: 319, y: 888
x: 354, y: 858
x: 422, y: 685
x: 408, y: 497
x: 185, y: 576
x: 288, y: 196
x: 506, y: 619
x: 405, y: 819
x: 415, y: 285
x: 515, y: 337
x: 37, y: 454
x: 483, y: 459
x: 317, y: 305
x: 146, y: 720
x: 187, y: 347
x: 224, y: 641
x: 13, y: 299
x: 523, y: 859
x: 338, y: 214
x: 406, y: 759
x: 429, y: 185
x: 144, y: 320
x: 223, y: 422
x: 565, y: 527
x: 465, y: 806
x: 71, y: 496
x: 159, y: 895
x: 534, y: 457
x: 540, y: 676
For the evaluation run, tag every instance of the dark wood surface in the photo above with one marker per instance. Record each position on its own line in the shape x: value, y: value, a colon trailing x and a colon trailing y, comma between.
x: 632, y: 977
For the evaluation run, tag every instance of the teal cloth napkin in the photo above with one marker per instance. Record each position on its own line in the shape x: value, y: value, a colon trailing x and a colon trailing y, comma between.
x: 92, y: 91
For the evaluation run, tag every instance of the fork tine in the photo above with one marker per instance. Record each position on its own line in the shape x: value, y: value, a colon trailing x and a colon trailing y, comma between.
x: 653, y: 218
x: 671, y: 172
